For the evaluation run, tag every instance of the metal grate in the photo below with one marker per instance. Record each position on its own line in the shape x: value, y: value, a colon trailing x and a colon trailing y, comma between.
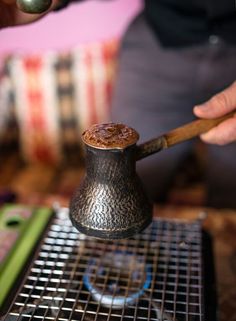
x: 154, y: 276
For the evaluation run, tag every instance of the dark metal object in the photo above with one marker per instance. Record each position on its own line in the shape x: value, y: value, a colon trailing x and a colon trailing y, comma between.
x: 34, y: 6
x: 111, y: 202
x: 54, y: 288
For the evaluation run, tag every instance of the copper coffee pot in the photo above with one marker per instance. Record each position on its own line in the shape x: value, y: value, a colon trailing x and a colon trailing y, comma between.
x: 111, y: 202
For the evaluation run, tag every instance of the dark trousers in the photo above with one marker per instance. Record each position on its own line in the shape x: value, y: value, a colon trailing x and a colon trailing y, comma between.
x: 156, y: 90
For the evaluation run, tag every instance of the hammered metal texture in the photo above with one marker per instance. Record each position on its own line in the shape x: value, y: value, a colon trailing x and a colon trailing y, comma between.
x: 111, y: 199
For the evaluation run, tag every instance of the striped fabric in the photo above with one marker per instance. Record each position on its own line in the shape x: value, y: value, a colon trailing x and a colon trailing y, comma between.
x: 55, y: 96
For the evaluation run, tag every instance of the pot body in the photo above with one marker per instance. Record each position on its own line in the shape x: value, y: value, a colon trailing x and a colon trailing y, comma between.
x: 111, y: 202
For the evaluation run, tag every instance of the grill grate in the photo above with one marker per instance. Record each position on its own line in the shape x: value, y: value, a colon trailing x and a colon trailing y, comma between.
x: 155, y: 276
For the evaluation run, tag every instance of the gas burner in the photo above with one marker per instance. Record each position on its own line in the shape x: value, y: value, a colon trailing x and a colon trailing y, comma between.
x: 158, y: 275
x: 117, y: 279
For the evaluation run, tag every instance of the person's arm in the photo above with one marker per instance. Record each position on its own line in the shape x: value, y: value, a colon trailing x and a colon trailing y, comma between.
x: 219, y: 105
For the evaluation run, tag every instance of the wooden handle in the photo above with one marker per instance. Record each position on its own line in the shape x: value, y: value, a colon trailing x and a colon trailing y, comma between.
x: 193, y: 129
x: 178, y: 135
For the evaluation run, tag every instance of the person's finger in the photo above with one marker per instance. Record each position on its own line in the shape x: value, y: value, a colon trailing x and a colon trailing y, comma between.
x: 218, y: 105
x: 222, y: 134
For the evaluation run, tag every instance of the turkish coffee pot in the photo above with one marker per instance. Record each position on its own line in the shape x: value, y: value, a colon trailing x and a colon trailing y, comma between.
x: 111, y: 202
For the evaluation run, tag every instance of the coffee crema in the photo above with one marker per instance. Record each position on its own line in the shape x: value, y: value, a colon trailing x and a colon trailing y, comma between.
x: 110, y: 136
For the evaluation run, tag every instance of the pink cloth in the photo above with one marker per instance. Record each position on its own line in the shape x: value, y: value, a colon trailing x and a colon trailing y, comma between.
x: 87, y: 22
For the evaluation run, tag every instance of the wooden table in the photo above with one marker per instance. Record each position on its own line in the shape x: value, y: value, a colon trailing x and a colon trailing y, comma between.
x: 221, y: 224
x: 58, y: 184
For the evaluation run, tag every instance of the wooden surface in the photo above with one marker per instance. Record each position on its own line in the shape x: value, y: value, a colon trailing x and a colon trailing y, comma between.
x: 44, y: 185
x: 193, y: 129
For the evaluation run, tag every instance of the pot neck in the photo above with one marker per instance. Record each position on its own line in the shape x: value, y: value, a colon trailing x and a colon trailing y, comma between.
x: 107, y: 163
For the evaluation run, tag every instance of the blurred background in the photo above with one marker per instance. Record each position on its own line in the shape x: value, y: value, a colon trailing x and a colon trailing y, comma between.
x: 56, y: 79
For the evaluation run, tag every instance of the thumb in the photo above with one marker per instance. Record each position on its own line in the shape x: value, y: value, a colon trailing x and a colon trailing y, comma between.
x: 219, y: 105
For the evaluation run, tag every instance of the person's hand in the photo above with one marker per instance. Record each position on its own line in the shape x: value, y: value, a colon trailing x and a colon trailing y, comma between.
x: 219, y: 105
x: 10, y: 15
